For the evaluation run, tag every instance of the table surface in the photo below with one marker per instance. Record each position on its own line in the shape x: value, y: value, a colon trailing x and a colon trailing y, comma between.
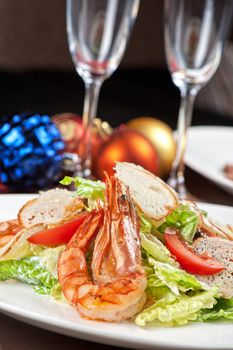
x: 131, y: 93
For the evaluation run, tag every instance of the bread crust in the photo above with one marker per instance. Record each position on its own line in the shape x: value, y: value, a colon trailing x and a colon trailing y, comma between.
x: 22, y: 209
x: 169, y: 194
x: 55, y: 209
x: 169, y: 208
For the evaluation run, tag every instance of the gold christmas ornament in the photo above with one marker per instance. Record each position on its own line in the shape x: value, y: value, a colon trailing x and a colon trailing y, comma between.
x: 161, y: 136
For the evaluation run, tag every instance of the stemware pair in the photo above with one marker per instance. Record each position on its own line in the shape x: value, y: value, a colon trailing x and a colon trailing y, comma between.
x: 98, y: 32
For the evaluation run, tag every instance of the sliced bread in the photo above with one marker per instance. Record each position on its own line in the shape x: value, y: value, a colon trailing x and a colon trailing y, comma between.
x: 221, y: 250
x: 50, y: 208
x: 153, y: 196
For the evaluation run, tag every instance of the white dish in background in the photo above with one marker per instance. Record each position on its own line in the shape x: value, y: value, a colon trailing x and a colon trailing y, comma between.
x: 10, y: 203
x: 20, y: 301
x: 209, y: 149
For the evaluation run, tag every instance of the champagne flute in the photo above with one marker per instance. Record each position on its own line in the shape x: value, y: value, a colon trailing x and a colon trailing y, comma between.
x: 98, y: 32
x: 195, y: 31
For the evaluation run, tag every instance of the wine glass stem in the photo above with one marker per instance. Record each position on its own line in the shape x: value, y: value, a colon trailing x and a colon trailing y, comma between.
x: 92, y: 90
x: 176, y: 179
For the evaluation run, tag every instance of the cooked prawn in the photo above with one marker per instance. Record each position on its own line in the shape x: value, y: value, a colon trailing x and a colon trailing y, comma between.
x: 114, y: 290
x: 10, y: 227
x: 7, y: 230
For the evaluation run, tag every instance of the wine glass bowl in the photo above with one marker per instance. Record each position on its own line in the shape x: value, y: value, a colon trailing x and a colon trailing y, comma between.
x: 195, y: 32
x: 98, y: 32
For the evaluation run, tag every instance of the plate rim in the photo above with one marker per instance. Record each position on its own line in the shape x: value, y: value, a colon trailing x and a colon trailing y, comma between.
x: 84, y: 332
x: 219, y: 180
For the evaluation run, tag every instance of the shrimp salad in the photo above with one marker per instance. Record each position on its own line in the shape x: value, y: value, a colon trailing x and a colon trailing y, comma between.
x: 112, y: 262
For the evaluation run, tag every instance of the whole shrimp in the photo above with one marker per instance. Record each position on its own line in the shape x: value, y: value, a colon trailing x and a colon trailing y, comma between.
x: 114, y: 289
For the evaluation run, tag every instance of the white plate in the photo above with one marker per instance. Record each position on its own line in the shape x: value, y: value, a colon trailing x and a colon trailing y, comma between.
x: 19, y: 301
x: 209, y: 149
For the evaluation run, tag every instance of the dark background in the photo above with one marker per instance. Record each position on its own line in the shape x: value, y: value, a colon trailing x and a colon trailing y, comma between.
x: 38, y: 75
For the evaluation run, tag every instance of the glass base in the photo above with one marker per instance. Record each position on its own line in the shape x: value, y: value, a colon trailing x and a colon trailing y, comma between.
x: 177, y: 183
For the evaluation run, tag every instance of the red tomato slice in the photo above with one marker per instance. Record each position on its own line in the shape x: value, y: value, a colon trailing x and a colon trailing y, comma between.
x: 188, y: 259
x: 58, y: 235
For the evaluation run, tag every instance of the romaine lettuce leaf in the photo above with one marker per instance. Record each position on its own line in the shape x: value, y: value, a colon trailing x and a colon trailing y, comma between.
x: 86, y: 188
x: 174, y: 278
x: 223, y: 309
x: 148, y: 225
x: 159, y: 292
x: 178, y: 296
x: 177, y: 310
x: 156, y: 249
x: 184, y: 219
x: 29, y: 270
x: 145, y: 224
x: 49, y: 258
x: 24, y: 249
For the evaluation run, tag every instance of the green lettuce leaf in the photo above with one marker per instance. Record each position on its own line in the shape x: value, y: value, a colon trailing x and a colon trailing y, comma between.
x: 174, y: 278
x: 86, y: 188
x: 148, y: 225
x: 29, y: 270
x: 184, y: 219
x: 145, y: 224
x: 223, y: 309
x: 24, y: 249
x: 156, y: 290
x: 156, y: 249
x: 49, y: 258
x: 177, y: 310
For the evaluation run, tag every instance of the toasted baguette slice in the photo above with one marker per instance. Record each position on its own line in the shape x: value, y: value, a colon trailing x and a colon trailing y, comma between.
x: 50, y: 208
x: 153, y: 196
x: 221, y: 250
